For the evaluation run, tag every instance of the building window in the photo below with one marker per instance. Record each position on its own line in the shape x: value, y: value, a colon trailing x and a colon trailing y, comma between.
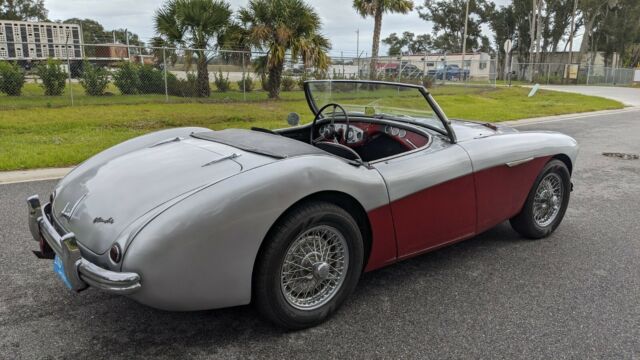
x: 483, y: 65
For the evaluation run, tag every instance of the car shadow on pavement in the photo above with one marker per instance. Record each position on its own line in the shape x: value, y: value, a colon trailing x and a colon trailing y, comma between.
x: 103, y: 323
x: 163, y: 333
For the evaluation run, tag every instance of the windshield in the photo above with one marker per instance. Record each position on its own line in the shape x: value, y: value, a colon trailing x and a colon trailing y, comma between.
x: 378, y: 100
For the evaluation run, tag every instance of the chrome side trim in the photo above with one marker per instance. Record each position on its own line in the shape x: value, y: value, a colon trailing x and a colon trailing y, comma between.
x: 80, y: 272
x: 519, y: 162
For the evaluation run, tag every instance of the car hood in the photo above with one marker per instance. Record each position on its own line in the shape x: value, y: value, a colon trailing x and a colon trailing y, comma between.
x: 467, y: 130
x: 99, y: 202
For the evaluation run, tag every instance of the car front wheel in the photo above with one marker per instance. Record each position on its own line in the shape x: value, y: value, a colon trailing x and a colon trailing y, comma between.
x: 546, y: 203
x: 311, y: 262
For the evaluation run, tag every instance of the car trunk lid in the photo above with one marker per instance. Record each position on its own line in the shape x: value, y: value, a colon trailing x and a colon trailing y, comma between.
x: 99, y: 203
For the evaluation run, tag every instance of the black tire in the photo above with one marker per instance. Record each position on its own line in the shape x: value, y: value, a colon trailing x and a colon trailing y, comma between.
x: 267, y: 292
x: 524, y: 223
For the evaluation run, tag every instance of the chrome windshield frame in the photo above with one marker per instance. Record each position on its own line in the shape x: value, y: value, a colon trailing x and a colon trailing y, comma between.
x: 448, y: 130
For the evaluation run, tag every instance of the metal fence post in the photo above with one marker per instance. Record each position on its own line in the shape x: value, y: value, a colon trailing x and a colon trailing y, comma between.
x: 164, y: 67
x: 66, y: 45
x: 588, y: 72
x: 548, y: 72
x: 244, y: 80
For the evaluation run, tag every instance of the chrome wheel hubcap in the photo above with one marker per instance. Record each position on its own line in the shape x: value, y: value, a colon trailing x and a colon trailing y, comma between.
x: 548, y: 200
x: 314, y: 267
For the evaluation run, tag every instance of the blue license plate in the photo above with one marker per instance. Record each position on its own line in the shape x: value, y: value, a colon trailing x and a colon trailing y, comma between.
x: 58, y: 268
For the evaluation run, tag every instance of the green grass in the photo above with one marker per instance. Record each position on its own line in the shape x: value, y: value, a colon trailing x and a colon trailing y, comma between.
x: 33, y: 136
x: 33, y: 97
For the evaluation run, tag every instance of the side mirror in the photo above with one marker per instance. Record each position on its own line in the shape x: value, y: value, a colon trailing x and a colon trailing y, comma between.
x: 293, y: 119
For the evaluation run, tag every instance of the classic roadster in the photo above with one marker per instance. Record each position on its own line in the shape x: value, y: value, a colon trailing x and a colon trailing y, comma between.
x: 190, y: 219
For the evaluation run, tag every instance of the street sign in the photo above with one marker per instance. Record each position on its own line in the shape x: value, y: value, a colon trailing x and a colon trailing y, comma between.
x: 507, y: 46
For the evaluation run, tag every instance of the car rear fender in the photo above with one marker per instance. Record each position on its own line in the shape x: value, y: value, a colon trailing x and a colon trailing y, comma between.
x: 199, y: 253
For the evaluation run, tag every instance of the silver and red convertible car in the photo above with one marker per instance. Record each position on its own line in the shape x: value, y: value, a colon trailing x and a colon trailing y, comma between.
x: 190, y: 219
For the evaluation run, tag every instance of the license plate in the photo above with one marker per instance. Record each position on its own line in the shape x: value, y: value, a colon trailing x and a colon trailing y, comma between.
x: 58, y: 268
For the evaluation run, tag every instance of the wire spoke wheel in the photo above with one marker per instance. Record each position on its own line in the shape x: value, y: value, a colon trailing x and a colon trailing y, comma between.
x: 314, y: 267
x: 548, y: 200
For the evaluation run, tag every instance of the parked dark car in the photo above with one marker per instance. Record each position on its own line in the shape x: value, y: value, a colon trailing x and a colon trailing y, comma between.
x: 449, y: 72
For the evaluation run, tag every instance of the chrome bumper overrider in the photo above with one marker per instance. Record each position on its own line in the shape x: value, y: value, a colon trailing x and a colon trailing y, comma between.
x: 80, y: 272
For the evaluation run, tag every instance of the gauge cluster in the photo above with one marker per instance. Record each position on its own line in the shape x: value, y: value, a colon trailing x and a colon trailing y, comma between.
x: 363, y: 132
x: 355, y: 133
x: 394, y: 131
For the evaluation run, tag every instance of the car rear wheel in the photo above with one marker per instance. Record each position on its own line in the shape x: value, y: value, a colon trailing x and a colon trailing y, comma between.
x: 311, y: 262
x: 546, y: 203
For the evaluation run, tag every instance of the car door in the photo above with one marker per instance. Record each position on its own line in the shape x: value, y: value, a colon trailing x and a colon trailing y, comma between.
x: 432, y: 197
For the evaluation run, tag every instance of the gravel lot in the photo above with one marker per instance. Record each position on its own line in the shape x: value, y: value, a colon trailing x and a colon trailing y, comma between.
x: 573, y: 295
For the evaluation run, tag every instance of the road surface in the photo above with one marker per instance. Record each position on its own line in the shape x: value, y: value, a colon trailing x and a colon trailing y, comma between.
x: 573, y: 295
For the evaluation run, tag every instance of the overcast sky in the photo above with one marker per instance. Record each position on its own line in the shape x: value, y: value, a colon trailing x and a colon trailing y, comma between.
x: 340, y: 21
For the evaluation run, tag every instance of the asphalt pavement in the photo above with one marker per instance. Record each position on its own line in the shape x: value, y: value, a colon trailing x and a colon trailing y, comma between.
x: 575, y: 294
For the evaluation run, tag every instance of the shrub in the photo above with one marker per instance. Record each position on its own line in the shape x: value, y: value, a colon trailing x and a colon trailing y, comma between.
x: 288, y: 83
x: 151, y: 80
x: 127, y: 78
x: 427, y: 82
x: 11, y: 79
x: 184, y: 88
x: 53, y: 78
x: 94, y: 79
x: 246, y: 84
x: 301, y: 80
x: 222, y: 83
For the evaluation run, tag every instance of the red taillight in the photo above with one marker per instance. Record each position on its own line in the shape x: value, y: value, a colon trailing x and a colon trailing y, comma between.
x: 115, y: 254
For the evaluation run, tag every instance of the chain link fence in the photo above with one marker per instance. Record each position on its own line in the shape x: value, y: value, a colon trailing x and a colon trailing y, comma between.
x: 418, y: 69
x: 561, y: 73
x: 116, y: 73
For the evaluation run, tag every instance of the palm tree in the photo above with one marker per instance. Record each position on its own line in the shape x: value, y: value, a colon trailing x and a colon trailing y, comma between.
x: 376, y: 8
x: 278, y: 27
x: 194, y: 23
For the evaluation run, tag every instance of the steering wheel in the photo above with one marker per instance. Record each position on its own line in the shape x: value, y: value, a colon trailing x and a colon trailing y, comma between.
x: 333, y: 132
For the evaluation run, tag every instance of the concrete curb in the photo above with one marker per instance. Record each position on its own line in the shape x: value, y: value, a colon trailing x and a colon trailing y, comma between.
x: 11, y: 177
x: 554, y: 118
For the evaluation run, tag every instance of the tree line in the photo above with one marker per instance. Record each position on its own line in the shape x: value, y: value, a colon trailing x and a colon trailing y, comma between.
x: 536, y: 27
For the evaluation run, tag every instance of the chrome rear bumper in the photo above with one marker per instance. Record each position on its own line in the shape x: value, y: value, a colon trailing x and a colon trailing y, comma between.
x: 80, y: 272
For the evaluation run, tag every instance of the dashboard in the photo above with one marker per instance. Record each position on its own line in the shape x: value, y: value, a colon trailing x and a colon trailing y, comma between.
x: 362, y: 132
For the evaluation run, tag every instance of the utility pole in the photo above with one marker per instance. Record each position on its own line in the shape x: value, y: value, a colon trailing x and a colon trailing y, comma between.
x: 126, y: 36
x: 358, y: 50
x: 532, y: 37
x: 573, y: 24
x: 541, y: 4
x: 464, y: 38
